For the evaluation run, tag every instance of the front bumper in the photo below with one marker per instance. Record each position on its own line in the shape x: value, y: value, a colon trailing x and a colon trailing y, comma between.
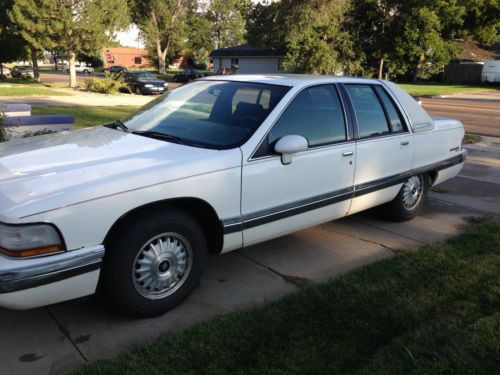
x: 27, y: 283
x: 153, y: 90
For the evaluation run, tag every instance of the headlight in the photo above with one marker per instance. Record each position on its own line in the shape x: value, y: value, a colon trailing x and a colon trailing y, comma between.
x: 20, y: 241
x: 148, y: 85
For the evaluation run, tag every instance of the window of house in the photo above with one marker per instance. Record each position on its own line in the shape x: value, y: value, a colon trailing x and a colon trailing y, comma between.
x: 234, y: 63
x: 138, y: 60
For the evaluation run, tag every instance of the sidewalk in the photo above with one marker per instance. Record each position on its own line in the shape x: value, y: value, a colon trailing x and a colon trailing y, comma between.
x: 59, y: 338
x: 83, y: 99
x: 486, y: 96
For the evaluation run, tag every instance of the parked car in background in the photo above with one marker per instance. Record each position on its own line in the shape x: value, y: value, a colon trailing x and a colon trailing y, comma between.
x: 115, y: 69
x: 188, y: 75
x: 22, y: 71
x: 5, y: 72
x: 81, y: 68
x: 214, y: 166
x: 141, y: 82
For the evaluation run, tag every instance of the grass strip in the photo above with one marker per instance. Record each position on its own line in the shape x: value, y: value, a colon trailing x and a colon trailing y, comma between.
x: 88, y: 116
x: 431, y: 311
x: 444, y: 89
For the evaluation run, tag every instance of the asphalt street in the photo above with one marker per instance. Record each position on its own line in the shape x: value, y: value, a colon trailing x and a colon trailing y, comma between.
x: 478, y: 116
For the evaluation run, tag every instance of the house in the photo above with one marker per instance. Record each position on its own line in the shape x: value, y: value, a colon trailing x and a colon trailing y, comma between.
x: 468, y: 66
x: 128, y: 57
x: 245, y: 59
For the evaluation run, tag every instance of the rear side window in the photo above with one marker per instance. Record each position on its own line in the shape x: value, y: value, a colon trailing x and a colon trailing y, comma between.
x: 376, y: 113
x: 394, y: 117
x: 369, y: 112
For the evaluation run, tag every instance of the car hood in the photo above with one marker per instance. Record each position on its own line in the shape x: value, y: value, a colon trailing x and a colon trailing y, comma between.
x: 46, y: 172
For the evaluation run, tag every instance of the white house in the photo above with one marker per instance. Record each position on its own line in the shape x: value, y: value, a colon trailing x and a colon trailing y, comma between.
x: 245, y: 59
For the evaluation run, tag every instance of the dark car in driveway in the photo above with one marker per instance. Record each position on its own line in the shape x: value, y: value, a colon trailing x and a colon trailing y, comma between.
x: 115, y: 69
x: 141, y: 82
x: 189, y: 75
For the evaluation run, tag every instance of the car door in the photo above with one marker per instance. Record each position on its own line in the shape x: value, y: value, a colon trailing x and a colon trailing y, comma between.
x: 316, y: 186
x: 384, y: 145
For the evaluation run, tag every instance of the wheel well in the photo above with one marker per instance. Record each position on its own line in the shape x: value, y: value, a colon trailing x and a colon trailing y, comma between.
x: 432, y: 176
x: 200, y: 210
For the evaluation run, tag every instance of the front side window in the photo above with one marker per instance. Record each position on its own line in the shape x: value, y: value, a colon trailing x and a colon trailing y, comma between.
x: 315, y: 113
x: 211, y: 114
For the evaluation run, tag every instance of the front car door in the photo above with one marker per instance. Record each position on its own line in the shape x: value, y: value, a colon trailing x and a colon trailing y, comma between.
x: 318, y: 184
x: 384, y: 145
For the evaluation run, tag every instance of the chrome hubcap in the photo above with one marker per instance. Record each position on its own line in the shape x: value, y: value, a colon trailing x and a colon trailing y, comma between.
x: 162, y: 265
x: 412, y: 192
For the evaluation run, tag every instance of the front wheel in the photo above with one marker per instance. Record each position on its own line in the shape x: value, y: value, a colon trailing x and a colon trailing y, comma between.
x: 138, y: 90
x: 410, y: 199
x: 155, y: 263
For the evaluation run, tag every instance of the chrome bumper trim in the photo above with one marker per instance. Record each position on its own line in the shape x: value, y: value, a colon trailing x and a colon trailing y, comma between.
x: 21, y: 274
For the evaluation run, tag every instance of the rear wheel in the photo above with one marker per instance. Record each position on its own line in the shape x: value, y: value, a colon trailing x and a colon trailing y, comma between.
x: 410, y: 199
x: 154, y: 264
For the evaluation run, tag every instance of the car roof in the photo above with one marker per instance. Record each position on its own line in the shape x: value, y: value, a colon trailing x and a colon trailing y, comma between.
x: 289, y: 79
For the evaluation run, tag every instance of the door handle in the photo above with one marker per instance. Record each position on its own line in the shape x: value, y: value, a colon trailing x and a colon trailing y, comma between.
x: 348, y: 153
x: 406, y: 143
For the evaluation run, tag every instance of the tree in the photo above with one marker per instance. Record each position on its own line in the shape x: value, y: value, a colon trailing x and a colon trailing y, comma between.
x: 162, y: 24
x: 481, y: 20
x: 311, y: 33
x: 12, y: 45
x: 77, y: 26
x: 228, y: 24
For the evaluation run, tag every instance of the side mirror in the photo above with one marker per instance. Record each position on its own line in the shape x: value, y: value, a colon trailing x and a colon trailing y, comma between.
x: 289, y: 145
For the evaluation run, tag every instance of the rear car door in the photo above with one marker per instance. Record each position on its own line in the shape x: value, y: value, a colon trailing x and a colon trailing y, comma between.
x: 384, y: 145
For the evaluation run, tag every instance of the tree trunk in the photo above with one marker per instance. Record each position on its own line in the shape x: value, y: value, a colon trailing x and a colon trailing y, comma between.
x: 381, y: 68
x: 34, y: 61
x: 72, y: 70
x: 1, y: 70
x: 162, y: 55
x: 54, y: 57
x: 418, y: 68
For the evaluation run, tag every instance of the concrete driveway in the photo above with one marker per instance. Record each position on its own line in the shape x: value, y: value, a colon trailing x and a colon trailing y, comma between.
x: 62, y: 337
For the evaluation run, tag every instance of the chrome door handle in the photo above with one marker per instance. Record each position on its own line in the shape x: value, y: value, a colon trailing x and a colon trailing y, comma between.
x: 349, y: 153
x: 406, y: 143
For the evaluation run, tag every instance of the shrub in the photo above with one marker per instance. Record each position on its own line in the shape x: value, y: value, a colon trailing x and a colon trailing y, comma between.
x: 3, y: 132
x: 103, y: 86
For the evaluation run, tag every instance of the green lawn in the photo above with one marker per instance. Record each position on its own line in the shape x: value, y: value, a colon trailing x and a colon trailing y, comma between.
x: 88, y: 116
x: 27, y: 89
x: 444, y: 89
x: 431, y: 311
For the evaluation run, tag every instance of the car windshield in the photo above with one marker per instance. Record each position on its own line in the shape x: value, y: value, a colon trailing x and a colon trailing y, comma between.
x: 144, y: 75
x: 210, y: 114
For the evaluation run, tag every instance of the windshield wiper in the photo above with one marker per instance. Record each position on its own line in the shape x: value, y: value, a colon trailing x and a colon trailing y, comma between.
x: 118, y: 124
x: 158, y: 135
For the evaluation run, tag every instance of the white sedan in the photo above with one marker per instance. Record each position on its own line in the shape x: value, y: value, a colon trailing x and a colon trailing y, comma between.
x: 135, y: 207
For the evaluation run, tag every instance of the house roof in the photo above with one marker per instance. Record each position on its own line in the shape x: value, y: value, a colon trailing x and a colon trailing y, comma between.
x: 244, y: 50
x: 472, y: 51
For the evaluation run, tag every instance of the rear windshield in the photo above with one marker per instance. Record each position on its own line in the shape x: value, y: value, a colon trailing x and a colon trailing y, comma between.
x: 210, y: 114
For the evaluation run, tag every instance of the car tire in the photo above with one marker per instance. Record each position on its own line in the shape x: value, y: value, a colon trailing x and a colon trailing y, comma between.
x: 154, y: 263
x: 67, y: 70
x: 410, y: 199
x: 85, y: 71
x: 138, y: 90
